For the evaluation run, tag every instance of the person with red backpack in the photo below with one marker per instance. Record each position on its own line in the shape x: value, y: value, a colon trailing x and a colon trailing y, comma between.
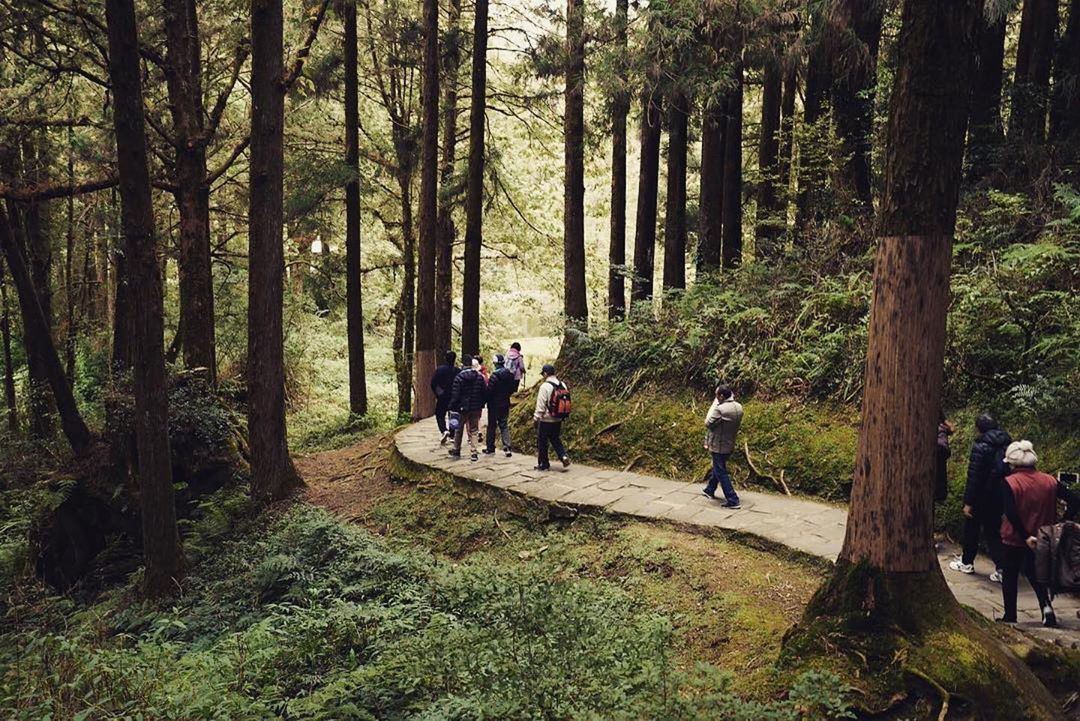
x: 552, y: 408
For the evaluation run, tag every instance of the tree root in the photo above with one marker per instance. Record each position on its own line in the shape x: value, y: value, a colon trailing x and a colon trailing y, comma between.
x: 755, y: 473
x: 944, y: 713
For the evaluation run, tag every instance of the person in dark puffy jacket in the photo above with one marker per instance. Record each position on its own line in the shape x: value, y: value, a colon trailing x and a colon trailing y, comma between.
x: 467, y: 396
x: 501, y: 385
x: 442, y: 382
x: 982, y: 496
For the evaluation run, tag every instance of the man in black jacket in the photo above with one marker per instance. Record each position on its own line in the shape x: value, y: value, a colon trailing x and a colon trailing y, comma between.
x: 501, y: 386
x: 467, y: 398
x: 982, y: 496
x: 442, y: 382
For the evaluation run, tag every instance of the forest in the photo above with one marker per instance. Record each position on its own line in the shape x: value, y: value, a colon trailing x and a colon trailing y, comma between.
x: 238, y: 238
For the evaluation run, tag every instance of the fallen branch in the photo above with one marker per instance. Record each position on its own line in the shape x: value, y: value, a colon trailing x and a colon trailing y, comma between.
x: 499, y: 525
x: 765, y: 476
x: 633, y: 462
x: 607, y: 429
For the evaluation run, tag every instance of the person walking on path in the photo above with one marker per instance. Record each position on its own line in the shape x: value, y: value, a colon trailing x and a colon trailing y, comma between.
x: 722, y: 425
x: 442, y: 382
x: 941, y: 474
x: 1029, y: 499
x: 515, y: 362
x: 500, y: 387
x: 552, y: 408
x: 982, y: 496
x: 467, y: 398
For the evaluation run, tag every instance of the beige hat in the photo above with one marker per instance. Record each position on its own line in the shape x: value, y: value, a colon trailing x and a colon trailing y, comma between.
x: 1021, y: 454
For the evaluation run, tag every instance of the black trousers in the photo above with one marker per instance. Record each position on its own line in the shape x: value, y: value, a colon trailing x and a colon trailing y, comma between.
x: 498, y: 419
x: 441, y: 409
x: 1019, y: 559
x: 548, y: 433
x: 987, y: 523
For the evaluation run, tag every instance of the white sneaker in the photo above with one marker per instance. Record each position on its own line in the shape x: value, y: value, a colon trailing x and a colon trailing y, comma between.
x: 996, y: 576
x: 1049, y: 617
x: 445, y: 438
x: 962, y: 567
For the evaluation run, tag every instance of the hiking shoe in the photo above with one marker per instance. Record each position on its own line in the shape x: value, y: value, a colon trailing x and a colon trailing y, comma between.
x: 996, y: 576
x: 733, y: 505
x: 474, y: 457
x: 565, y: 461
x: 445, y: 438
x: 508, y: 453
x: 962, y: 567
x: 541, y: 468
x: 708, y: 493
x: 489, y: 451
x: 1049, y: 617
x: 454, y: 454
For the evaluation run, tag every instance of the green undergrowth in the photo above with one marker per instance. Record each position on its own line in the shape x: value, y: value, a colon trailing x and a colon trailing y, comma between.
x: 303, y: 616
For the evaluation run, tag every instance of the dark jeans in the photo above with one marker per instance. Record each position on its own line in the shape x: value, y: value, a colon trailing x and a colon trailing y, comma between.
x: 1017, y: 559
x: 987, y: 522
x: 548, y: 433
x: 441, y: 409
x: 720, y: 475
x: 498, y: 419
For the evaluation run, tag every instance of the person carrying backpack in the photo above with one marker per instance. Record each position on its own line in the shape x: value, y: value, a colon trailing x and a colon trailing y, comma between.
x: 1029, y: 498
x: 441, y: 384
x: 982, y: 496
x: 500, y: 387
x: 552, y: 408
x: 722, y: 425
x: 515, y: 363
x: 467, y: 397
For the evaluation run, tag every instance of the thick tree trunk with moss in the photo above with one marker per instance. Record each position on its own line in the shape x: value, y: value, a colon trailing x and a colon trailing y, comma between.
x: 787, y: 133
x: 711, y: 194
x: 769, y: 221
x: 641, y: 288
x: 886, y: 614
x: 985, y: 131
x: 617, y: 243
x: 675, y: 202
x: 449, y: 193
x: 423, y: 397
x: 474, y: 195
x: 1065, y: 103
x: 731, y: 253
x: 1031, y: 85
x: 575, y: 300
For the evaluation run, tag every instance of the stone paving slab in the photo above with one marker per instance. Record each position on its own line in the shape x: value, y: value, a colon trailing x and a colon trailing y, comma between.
x: 810, y: 527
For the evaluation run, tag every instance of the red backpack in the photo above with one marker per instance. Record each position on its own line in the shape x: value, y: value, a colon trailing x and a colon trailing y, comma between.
x: 559, y: 404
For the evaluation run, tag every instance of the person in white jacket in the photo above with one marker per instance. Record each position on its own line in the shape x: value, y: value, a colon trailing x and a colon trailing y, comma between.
x: 548, y: 422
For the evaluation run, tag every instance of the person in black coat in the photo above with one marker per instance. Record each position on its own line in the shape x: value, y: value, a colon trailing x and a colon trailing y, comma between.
x: 442, y: 382
x: 982, y: 496
x: 501, y: 386
x: 467, y: 396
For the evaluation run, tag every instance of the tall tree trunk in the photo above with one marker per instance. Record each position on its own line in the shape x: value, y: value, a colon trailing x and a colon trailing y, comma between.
x: 641, y: 289
x: 711, y: 201
x: 770, y: 223
x: 576, y: 303
x: 1031, y: 87
x: 731, y: 254
x: 675, y: 202
x: 620, y: 108
x: 447, y: 233
x: 985, y: 132
x: 183, y: 75
x: 811, y: 172
x: 272, y: 472
x: 853, y: 95
x: 404, y: 339
x: 1065, y: 105
x: 423, y: 397
x: 354, y: 304
x: 161, y: 542
x: 474, y: 198
x: 9, y: 366
x: 39, y: 341
x: 70, y: 335
x: 787, y: 135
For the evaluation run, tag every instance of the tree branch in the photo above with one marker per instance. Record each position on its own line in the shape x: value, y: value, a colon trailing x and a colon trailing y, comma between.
x: 305, y: 49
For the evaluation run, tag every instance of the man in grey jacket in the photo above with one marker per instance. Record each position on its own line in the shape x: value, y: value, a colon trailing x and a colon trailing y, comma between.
x: 722, y: 425
x: 548, y: 423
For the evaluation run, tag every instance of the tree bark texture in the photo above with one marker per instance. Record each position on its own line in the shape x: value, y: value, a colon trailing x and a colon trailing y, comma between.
x: 890, y: 521
x: 272, y: 472
x: 423, y: 397
x: 39, y: 340
x: 1031, y: 85
x: 675, y: 202
x: 731, y: 253
x: 449, y: 189
x: 641, y: 288
x: 985, y: 131
x: 811, y: 171
x: 711, y: 200
x: 620, y: 108
x: 161, y: 542
x: 474, y: 195
x: 405, y: 320
x: 855, y: 76
x: 1065, y: 103
x: 575, y: 298
x: 787, y: 134
x: 770, y: 218
x: 354, y: 303
x: 9, y: 366
x: 183, y: 75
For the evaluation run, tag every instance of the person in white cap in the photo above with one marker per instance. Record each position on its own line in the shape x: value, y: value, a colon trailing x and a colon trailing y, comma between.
x: 1030, y: 501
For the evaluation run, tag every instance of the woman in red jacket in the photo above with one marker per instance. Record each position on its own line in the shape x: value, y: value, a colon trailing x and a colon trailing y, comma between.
x: 1030, y: 499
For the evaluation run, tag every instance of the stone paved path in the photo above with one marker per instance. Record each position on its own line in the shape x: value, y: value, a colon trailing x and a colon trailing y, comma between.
x: 811, y: 527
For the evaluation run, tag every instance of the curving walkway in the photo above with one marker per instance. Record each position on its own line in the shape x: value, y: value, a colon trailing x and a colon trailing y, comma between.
x: 810, y: 527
